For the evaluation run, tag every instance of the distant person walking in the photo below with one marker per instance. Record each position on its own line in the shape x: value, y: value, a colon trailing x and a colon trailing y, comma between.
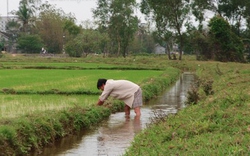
x: 43, y: 51
x: 124, y: 90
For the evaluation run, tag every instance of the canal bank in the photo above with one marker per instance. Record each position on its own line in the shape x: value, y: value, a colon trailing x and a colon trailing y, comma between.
x: 114, y: 135
x: 33, y: 132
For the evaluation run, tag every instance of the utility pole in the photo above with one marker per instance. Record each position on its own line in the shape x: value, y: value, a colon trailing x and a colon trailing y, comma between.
x: 7, y: 9
x: 7, y: 21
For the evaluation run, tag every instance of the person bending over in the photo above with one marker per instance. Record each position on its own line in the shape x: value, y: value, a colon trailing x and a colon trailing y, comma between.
x: 124, y: 90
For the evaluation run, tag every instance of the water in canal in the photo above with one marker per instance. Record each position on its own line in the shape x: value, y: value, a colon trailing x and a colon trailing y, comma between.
x: 115, y: 135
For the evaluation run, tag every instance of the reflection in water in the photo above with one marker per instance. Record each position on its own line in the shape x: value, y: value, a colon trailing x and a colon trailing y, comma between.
x: 111, y: 138
x: 174, y: 98
x: 115, y: 135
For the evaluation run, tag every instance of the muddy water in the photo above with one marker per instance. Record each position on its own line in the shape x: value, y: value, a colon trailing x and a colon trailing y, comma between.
x: 115, y: 135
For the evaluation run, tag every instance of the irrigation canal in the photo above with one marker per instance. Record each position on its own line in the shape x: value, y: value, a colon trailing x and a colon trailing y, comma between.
x: 115, y: 134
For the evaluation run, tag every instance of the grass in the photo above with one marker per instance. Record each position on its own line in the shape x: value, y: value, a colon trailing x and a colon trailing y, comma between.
x: 25, y: 91
x: 13, y: 106
x: 217, y: 125
x: 66, y: 80
x: 43, y: 99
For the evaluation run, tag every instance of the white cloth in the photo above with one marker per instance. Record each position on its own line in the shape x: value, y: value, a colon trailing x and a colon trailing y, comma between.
x: 120, y: 89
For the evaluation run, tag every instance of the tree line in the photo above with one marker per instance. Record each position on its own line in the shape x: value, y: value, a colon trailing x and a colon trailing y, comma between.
x: 117, y: 30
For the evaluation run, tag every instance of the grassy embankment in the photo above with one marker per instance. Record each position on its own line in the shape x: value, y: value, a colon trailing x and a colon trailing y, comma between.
x: 219, y: 124
x: 44, y: 99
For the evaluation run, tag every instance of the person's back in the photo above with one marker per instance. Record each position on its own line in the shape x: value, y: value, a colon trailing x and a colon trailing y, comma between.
x: 121, y: 89
x: 127, y: 91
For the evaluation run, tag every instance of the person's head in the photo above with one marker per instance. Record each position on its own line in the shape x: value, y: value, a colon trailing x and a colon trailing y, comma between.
x: 100, y: 83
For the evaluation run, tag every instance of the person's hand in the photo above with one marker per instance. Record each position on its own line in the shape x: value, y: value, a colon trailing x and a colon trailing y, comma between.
x: 99, y: 103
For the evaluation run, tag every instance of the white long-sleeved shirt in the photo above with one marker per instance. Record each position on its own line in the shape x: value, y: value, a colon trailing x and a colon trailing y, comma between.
x: 120, y: 89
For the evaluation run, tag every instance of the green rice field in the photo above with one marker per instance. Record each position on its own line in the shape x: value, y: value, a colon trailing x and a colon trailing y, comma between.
x: 16, y: 105
x: 25, y: 91
x: 66, y: 80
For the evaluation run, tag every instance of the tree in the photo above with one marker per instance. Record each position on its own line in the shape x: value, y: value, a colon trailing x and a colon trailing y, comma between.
x: 55, y: 27
x: 85, y: 43
x: 25, y: 14
x: 165, y: 40
x: 104, y: 43
x: 51, y: 31
x: 12, y: 32
x: 1, y: 45
x: 234, y: 11
x: 148, y: 43
x: 71, y: 27
x: 198, y: 42
x: 116, y: 17
x: 143, y: 41
x: 169, y: 16
x: 227, y: 45
x: 199, y: 9
x: 29, y: 43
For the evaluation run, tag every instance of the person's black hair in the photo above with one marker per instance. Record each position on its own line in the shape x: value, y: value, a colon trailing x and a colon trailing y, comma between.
x: 100, y: 82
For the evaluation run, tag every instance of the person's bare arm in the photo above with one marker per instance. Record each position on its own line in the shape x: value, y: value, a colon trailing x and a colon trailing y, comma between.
x: 99, y: 103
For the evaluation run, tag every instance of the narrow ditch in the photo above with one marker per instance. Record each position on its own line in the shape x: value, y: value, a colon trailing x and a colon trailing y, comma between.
x: 115, y: 134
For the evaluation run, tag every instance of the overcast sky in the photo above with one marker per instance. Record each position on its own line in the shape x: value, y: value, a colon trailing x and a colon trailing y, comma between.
x: 80, y: 8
